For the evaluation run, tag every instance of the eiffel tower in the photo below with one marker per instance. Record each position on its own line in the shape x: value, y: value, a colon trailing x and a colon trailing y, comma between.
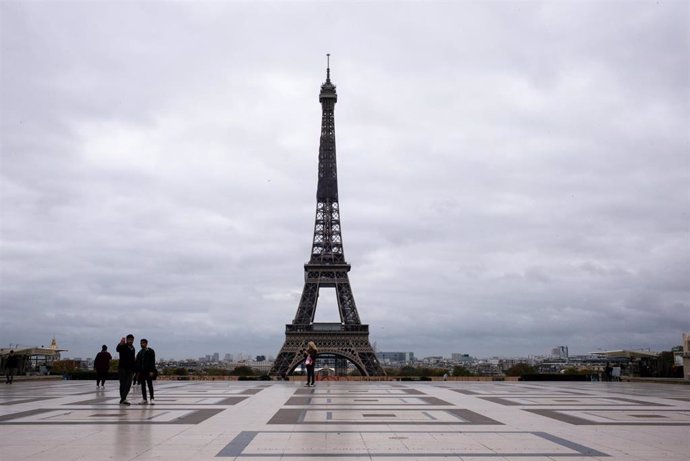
x: 327, y: 268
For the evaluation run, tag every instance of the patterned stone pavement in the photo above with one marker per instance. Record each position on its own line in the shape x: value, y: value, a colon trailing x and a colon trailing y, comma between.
x: 271, y: 421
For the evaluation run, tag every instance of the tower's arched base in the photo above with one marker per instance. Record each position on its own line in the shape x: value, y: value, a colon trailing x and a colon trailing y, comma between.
x: 350, y: 342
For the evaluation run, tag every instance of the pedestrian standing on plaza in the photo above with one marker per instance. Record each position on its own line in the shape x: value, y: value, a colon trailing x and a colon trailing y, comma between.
x: 102, y: 365
x: 125, y: 368
x: 310, y: 362
x: 146, y: 370
x: 11, y: 366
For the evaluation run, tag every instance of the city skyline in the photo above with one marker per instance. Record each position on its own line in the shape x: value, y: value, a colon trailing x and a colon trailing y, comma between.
x: 240, y: 356
x: 512, y: 175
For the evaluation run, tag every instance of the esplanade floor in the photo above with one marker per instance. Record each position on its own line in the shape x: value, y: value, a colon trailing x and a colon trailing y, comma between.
x: 221, y: 420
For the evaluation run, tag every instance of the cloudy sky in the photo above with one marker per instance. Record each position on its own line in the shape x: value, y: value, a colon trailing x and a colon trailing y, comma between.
x: 513, y: 175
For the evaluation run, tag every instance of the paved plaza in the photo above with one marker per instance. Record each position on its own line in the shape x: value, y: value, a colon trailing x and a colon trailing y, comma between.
x: 226, y: 420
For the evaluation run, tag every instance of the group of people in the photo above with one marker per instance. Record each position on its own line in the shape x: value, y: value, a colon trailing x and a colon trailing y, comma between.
x: 139, y: 367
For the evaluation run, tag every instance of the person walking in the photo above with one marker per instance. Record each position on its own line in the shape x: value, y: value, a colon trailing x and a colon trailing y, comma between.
x: 125, y: 368
x: 11, y: 366
x: 310, y: 362
x: 102, y: 365
x: 146, y: 370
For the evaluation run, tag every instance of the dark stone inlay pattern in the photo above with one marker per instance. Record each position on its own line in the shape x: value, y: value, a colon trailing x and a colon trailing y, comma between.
x: 20, y: 401
x: 229, y: 401
x: 195, y: 416
x: 465, y: 417
x: 507, y: 402
x: 168, y: 399
x: 581, y: 449
x: 578, y: 421
x: 305, y: 401
x: 335, y: 392
x: 21, y: 414
x: 253, y: 391
x: 236, y: 447
x: 524, y: 393
x: 465, y: 391
x: 471, y: 417
x: 434, y: 401
x: 298, y: 401
x: 238, y: 444
x: 198, y: 416
x: 98, y: 401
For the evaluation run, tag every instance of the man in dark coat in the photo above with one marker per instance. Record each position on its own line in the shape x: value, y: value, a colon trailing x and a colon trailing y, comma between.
x: 102, y: 365
x: 146, y: 368
x: 11, y: 365
x: 126, y: 367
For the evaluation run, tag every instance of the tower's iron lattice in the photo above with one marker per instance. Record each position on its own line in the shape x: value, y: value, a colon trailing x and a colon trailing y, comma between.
x: 327, y: 268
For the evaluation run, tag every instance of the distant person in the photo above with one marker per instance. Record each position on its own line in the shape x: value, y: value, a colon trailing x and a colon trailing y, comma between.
x: 607, y: 372
x: 102, y: 365
x: 11, y: 366
x: 125, y: 368
x: 146, y: 370
x: 310, y: 362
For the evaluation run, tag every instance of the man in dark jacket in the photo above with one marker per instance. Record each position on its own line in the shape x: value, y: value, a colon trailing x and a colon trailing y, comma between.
x: 146, y: 368
x: 126, y: 367
x: 11, y: 365
x: 102, y: 365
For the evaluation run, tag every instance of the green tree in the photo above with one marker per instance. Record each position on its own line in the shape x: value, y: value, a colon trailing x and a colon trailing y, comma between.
x: 408, y: 370
x: 242, y: 370
x: 179, y: 371
x: 459, y: 370
x: 424, y: 371
x: 520, y: 369
x: 665, y: 365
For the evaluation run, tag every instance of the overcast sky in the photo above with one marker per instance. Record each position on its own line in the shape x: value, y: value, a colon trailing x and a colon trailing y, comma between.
x: 513, y: 175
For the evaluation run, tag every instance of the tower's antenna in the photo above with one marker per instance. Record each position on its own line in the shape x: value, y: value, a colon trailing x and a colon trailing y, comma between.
x: 328, y: 67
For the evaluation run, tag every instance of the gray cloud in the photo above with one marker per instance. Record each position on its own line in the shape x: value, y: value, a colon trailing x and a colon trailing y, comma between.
x: 513, y: 176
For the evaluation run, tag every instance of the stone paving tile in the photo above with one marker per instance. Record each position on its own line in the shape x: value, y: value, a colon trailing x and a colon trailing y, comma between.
x: 197, y: 421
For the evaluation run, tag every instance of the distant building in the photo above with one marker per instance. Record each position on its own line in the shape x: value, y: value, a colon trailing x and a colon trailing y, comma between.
x: 33, y: 360
x: 461, y: 358
x: 389, y: 358
x: 560, y: 352
x: 488, y: 368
